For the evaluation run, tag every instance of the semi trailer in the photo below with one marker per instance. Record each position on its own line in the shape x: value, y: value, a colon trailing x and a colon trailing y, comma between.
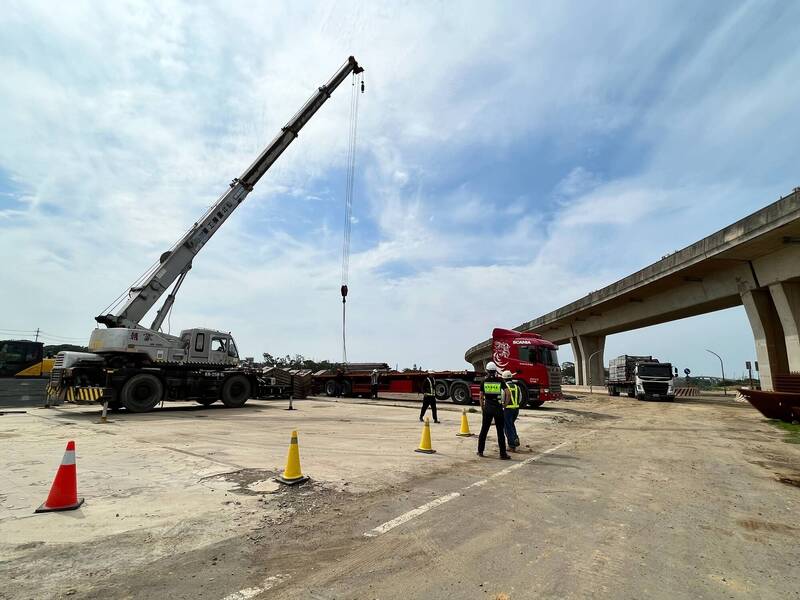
x: 642, y: 377
x: 137, y: 367
x: 531, y: 359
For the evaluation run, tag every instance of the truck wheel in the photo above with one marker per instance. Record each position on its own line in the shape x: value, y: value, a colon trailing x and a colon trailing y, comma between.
x: 460, y: 393
x: 141, y: 393
x: 524, y: 395
x: 440, y: 390
x: 535, y: 403
x: 330, y: 388
x: 235, y: 391
x: 206, y: 401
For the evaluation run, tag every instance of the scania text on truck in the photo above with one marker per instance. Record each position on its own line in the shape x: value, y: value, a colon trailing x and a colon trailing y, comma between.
x: 642, y: 377
x: 137, y: 367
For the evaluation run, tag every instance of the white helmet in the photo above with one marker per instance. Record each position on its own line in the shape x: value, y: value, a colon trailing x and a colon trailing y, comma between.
x: 490, y: 366
x: 507, y: 374
x: 374, y: 370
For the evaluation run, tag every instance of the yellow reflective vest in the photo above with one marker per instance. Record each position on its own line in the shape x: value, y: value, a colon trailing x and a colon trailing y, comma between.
x: 513, y: 394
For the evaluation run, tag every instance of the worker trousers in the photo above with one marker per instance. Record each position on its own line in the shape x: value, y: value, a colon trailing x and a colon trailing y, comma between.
x: 510, y: 415
x: 492, y: 412
x: 426, y: 402
x: 374, y: 390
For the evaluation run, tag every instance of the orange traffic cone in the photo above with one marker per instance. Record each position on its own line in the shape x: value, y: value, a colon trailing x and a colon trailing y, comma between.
x: 425, y: 442
x: 465, y: 432
x: 64, y: 491
x: 292, y: 475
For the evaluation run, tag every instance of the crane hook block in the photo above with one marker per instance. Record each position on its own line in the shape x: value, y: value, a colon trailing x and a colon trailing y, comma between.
x: 362, y: 86
x: 344, y: 292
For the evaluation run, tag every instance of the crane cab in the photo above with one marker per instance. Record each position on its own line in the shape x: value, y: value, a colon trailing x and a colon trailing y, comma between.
x: 210, y: 346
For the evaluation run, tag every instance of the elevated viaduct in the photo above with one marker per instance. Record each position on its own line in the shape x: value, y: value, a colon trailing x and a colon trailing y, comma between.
x: 754, y: 262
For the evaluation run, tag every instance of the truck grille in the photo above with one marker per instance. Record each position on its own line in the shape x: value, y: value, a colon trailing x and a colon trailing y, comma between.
x: 655, y: 387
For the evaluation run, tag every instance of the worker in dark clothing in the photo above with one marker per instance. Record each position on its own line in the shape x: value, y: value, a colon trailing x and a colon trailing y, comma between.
x: 491, y: 400
x: 339, y: 383
x: 429, y: 397
x: 373, y: 382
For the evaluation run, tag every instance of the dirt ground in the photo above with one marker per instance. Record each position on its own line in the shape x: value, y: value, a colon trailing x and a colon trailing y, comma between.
x: 609, y: 498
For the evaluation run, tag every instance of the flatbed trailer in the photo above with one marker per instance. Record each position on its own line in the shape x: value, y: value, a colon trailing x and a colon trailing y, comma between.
x: 463, y: 387
x: 531, y: 359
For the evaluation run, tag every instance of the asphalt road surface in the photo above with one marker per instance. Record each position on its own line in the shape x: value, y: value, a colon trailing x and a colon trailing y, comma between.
x: 692, y: 499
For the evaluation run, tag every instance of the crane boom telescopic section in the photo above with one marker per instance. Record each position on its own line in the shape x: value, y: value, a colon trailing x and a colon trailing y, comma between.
x: 178, y: 260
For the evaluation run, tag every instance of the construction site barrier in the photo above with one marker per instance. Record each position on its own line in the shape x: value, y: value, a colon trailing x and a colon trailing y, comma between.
x: 687, y: 391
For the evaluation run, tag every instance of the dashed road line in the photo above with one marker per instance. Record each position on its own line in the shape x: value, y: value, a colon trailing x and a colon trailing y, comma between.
x: 421, y: 510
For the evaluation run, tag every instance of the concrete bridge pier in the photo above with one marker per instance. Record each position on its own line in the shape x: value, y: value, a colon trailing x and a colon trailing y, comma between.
x: 767, y: 334
x: 588, y: 350
x: 786, y: 297
x: 576, y: 352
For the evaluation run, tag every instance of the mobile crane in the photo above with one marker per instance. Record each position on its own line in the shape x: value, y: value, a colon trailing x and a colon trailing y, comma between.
x: 137, y: 367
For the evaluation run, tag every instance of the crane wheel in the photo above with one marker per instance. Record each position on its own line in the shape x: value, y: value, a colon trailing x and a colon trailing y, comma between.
x: 235, y: 391
x: 141, y: 393
x: 460, y: 393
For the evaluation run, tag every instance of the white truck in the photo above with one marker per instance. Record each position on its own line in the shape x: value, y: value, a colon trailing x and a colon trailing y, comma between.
x: 642, y: 377
x: 136, y: 367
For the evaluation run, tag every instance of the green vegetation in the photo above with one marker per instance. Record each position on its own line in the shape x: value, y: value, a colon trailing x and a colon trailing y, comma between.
x: 792, y: 430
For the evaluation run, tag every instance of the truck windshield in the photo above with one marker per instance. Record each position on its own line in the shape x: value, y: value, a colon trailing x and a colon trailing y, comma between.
x: 660, y: 370
x: 539, y: 355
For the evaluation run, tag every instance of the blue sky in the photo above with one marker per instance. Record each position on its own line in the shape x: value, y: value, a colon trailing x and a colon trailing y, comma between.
x: 512, y: 157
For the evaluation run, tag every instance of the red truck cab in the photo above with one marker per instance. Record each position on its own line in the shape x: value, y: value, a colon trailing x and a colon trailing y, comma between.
x: 533, y: 361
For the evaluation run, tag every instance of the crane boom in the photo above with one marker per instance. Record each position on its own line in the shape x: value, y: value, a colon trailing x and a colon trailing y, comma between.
x: 177, y: 261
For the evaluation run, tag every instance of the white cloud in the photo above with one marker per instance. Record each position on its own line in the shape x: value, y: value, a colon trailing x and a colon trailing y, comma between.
x: 122, y: 122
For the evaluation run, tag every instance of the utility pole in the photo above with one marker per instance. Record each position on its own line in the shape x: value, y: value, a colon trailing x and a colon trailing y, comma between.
x: 722, y: 368
x: 37, y: 335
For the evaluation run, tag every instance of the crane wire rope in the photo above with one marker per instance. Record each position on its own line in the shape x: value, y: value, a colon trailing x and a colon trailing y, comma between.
x: 358, y: 82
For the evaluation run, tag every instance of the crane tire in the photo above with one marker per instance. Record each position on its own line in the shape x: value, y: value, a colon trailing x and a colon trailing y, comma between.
x: 235, y: 391
x: 141, y: 393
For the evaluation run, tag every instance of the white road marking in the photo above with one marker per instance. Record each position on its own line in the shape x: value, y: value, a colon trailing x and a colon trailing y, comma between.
x: 397, y: 521
x: 252, y: 592
x: 421, y: 510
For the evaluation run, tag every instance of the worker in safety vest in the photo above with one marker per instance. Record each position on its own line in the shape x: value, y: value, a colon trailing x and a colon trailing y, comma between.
x: 373, y: 382
x: 511, y: 410
x: 429, y: 397
x: 492, y: 407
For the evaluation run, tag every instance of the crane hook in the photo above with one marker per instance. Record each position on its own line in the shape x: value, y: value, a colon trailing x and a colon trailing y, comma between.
x: 362, y: 86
